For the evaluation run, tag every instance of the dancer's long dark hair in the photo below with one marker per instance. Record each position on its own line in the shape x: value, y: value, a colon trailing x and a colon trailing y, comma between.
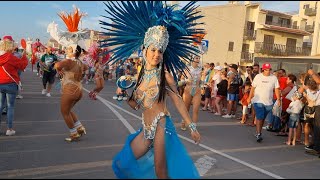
x: 78, y: 52
x: 163, y: 82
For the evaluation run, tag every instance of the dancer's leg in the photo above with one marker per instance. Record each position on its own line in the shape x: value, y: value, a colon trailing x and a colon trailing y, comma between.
x: 159, y: 151
x: 196, y: 105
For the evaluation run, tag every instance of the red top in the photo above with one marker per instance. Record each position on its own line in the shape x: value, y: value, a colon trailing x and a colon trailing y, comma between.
x: 286, y: 102
x: 12, y: 64
x: 245, y: 98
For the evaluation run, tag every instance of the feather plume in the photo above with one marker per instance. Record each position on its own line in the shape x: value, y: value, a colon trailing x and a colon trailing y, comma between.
x: 71, y: 20
x: 130, y: 20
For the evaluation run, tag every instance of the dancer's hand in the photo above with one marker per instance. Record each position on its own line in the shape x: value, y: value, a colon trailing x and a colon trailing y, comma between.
x: 195, y: 135
x: 61, y: 73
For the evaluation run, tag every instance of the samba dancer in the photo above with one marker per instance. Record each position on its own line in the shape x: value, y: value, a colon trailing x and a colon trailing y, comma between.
x: 164, y: 32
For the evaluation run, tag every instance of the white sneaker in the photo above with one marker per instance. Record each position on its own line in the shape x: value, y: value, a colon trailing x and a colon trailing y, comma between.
x: 19, y: 96
x: 10, y: 132
x: 233, y: 115
x: 43, y: 91
x: 217, y: 114
x: 227, y: 116
x: 120, y: 98
x: 48, y: 95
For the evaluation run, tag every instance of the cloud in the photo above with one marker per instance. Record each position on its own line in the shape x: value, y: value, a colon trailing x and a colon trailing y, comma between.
x: 42, y: 23
x: 56, y: 6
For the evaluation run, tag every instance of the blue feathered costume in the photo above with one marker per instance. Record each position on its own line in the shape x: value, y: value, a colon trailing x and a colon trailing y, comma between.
x: 126, y: 25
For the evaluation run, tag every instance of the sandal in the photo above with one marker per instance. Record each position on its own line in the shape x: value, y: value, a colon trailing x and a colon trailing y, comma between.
x: 183, y: 126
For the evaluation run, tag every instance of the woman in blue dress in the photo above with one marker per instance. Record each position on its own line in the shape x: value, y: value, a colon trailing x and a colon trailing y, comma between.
x: 154, y: 151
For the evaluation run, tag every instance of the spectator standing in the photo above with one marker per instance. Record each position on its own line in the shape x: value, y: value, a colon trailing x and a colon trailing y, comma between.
x: 294, y: 110
x: 261, y: 95
x: 9, y: 78
x: 234, y: 84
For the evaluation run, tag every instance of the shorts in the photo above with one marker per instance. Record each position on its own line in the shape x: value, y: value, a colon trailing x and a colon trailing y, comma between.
x: 245, y: 110
x: 214, y: 93
x: 203, y: 97
x: 261, y: 110
x: 293, y: 120
x: 233, y: 97
x: 48, y: 77
x: 207, y: 93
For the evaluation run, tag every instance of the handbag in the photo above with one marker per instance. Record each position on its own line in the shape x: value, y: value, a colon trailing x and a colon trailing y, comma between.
x: 310, y: 110
x: 18, y: 83
x: 292, y: 91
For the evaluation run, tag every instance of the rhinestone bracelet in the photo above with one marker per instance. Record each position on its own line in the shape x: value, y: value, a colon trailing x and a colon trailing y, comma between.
x: 192, y: 127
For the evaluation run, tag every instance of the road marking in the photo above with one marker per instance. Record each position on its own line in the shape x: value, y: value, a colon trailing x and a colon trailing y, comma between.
x: 53, y: 169
x: 204, y: 164
x: 71, y: 149
x: 121, y: 118
x: 130, y: 128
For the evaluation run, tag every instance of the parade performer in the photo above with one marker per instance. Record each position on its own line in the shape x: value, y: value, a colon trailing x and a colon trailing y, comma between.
x: 154, y: 151
x: 71, y: 70
x: 102, y: 57
x: 36, y: 48
x: 98, y: 77
x: 192, y: 90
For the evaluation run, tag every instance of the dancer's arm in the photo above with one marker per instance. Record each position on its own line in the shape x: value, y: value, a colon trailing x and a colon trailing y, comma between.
x: 60, y: 65
x: 177, y: 100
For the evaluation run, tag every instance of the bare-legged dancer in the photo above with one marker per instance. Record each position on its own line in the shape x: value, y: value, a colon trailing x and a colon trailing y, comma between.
x: 157, y: 140
x: 192, y: 91
x: 71, y: 71
x: 98, y: 78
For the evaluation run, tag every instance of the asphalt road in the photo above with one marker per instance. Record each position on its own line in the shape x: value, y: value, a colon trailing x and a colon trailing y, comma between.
x: 227, y: 149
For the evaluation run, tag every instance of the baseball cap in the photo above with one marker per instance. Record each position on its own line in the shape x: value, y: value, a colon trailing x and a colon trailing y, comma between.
x: 234, y: 66
x: 8, y: 38
x: 266, y: 66
x: 218, y: 68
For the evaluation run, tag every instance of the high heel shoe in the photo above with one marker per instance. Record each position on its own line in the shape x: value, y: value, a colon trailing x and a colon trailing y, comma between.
x: 81, y: 131
x: 90, y: 94
x: 73, y: 137
x: 183, y: 126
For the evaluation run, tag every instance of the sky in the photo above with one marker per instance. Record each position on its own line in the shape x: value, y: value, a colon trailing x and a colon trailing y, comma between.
x: 22, y: 19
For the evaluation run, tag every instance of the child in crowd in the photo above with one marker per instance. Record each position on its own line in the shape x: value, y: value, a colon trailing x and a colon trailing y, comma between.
x: 244, y: 102
x: 294, y: 110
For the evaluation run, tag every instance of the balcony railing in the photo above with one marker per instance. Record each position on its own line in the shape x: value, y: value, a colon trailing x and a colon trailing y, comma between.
x: 249, y: 34
x: 280, y: 50
x: 310, y: 28
x: 282, y: 25
x: 247, y: 57
x: 310, y: 12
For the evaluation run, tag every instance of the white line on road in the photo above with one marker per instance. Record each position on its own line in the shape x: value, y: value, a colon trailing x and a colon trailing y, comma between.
x: 130, y: 128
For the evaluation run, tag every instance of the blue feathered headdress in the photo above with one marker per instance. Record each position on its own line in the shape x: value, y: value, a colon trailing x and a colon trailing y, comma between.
x: 131, y: 20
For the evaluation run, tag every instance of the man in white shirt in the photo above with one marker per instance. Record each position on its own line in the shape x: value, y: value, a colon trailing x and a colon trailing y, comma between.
x: 261, y: 95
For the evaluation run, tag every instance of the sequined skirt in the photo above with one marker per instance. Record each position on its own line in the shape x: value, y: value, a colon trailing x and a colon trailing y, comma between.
x: 179, y: 163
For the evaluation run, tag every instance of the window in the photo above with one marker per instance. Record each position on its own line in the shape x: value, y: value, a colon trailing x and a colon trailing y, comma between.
x: 231, y: 46
x: 306, y: 6
x: 269, y: 19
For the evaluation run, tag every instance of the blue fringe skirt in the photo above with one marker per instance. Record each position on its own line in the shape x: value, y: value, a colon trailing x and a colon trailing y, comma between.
x: 179, y: 163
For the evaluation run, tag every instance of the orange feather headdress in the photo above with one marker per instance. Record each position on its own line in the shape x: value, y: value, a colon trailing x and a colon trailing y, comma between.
x: 71, y: 20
